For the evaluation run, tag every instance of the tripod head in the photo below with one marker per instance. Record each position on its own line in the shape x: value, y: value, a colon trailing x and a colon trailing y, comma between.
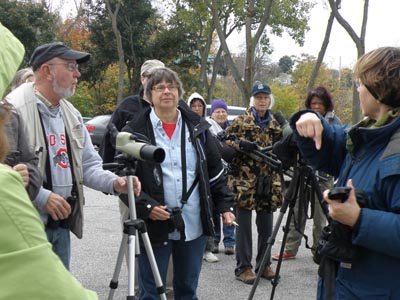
x: 123, y: 166
x: 262, y: 155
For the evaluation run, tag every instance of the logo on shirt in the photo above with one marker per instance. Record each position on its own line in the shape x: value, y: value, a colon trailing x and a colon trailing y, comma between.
x: 157, y: 176
x: 61, y: 158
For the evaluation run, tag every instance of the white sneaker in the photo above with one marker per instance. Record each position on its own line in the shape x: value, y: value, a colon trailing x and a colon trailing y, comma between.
x: 209, y: 257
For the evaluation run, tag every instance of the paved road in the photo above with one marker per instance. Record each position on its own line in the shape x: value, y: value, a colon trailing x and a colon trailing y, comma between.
x: 94, y: 258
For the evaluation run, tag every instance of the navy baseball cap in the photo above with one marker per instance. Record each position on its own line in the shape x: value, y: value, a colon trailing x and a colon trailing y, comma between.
x: 260, y: 88
x: 46, y: 52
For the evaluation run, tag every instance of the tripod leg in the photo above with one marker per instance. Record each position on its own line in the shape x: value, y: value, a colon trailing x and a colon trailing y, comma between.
x: 286, y: 230
x: 271, y: 241
x: 114, y: 280
x: 131, y: 265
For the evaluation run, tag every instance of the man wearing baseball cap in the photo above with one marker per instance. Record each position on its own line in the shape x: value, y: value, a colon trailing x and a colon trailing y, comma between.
x: 47, y: 52
x: 56, y: 132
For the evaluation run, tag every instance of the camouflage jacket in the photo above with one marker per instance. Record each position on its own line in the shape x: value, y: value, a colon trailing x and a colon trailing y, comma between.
x: 247, y: 168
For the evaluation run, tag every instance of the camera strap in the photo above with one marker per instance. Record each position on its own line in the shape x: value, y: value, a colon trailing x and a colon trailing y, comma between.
x: 185, y: 193
x: 74, y: 191
x: 47, y: 182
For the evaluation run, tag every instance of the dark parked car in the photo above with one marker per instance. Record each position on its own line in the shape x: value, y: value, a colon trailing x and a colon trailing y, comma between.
x: 97, y: 128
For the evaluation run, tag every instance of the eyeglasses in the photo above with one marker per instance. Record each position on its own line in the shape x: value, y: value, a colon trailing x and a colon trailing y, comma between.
x: 70, y: 66
x: 161, y: 88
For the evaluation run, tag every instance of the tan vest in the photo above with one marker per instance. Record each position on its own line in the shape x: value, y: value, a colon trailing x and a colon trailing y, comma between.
x: 24, y: 101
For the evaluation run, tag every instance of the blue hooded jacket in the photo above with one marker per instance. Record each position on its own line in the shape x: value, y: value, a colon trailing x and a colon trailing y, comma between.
x: 374, y: 167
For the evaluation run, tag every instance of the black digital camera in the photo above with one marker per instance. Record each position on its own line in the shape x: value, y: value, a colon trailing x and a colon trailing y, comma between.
x: 336, y: 239
x: 73, y: 202
x: 13, y: 158
x: 65, y: 223
x: 176, y: 221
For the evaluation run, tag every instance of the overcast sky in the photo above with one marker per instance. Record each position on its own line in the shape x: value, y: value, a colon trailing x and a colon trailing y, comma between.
x: 383, y: 29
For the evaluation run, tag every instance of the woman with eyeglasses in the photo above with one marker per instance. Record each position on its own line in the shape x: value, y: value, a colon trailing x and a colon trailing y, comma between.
x: 318, y: 100
x: 179, y: 195
x: 365, y: 158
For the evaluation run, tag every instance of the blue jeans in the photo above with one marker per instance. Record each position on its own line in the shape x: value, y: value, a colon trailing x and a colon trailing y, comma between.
x: 61, y: 242
x: 187, y: 258
x: 228, y: 231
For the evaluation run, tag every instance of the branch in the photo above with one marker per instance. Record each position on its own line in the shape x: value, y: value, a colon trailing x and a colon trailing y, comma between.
x: 343, y: 22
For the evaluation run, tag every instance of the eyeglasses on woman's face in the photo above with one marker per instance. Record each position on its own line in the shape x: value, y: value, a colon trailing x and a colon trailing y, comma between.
x: 161, y: 88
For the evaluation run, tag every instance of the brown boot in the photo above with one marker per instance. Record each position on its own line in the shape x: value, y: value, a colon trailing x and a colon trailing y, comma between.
x: 247, y: 276
x: 268, y: 273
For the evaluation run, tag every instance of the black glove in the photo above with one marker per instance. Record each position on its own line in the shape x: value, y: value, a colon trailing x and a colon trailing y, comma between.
x: 247, y: 146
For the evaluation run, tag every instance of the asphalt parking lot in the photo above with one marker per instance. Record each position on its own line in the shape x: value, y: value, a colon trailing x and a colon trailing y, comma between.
x: 94, y: 259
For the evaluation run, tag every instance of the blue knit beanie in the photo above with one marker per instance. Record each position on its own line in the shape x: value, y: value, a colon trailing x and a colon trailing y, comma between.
x: 218, y: 103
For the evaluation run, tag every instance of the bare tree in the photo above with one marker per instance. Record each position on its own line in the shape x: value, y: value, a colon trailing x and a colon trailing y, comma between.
x: 251, y: 42
x: 360, y: 44
x: 256, y: 15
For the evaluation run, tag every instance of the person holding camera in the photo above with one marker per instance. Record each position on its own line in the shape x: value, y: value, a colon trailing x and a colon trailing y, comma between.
x: 67, y: 158
x: 366, y: 158
x: 320, y: 101
x: 179, y: 195
x: 255, y: 185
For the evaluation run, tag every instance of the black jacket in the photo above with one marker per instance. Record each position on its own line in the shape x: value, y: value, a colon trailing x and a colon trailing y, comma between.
x: 124, y: 113
x: 214, y: 193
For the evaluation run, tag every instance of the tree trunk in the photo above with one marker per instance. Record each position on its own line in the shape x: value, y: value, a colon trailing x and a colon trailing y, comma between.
x: 360, y: 44
x: 211, y: 87
x: 321, y: 53
x: 217, y: 22
x: 121, y: 59
x: 204, y: 52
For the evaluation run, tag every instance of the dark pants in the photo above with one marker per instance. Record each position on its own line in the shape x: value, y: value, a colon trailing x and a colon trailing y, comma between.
x: 187, y: 258
x: 244, y: 242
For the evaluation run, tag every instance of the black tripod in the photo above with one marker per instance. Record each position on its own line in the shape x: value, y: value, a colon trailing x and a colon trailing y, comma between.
x: 130, y: 227
x: 303, y: 177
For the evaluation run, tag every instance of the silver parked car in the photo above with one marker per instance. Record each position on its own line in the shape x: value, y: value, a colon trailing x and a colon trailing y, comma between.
x: 233, y: 111
x: 97, y: 127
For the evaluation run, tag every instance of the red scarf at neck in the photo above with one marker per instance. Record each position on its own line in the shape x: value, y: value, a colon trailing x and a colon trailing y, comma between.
x: 169, y: 128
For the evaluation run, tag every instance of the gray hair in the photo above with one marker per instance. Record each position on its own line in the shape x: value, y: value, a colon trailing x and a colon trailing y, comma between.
x: 20, y: 77
x: 271, y: 104
x: 162, y: 74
